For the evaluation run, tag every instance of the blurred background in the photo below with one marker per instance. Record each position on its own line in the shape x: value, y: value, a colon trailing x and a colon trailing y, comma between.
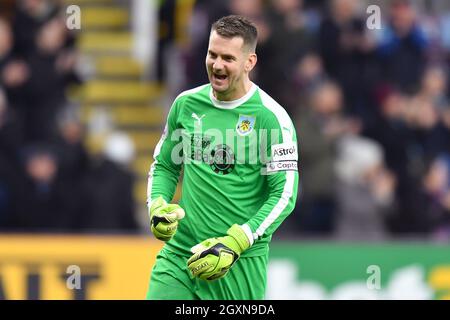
x: 85, y: 87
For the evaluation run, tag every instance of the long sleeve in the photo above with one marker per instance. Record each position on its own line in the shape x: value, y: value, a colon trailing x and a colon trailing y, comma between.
x: 165, y: 170
x: 282, y: 180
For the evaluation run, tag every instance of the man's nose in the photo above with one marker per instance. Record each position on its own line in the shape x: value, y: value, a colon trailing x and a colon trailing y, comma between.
x: 217, y: 65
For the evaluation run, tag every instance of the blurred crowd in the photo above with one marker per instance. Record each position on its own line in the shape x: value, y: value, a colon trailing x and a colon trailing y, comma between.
x: 370, y: 107
x: 48, y: 181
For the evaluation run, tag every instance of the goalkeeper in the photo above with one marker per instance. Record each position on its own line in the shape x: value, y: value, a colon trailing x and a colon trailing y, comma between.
x: 238, y: 151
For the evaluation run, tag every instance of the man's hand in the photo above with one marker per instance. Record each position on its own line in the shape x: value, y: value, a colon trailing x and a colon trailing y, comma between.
x: 164, y: 218
x: 214, y: 257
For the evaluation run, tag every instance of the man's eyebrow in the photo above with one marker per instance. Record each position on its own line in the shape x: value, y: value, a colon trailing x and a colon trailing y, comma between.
x: 229, y: 56
x: 226, y: 56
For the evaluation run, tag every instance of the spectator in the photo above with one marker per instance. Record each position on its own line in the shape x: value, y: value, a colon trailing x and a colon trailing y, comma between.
x: 429, y: 133
x: 391, y: 129
x: 431, y: 203
x: 365, y: 190
x: 30, y: 16
x: 437, y: 191
x: 286, y: 38
x: 45, y: 98
x: 346, y: 50
x: 14, y: 72
x: 319, y: 125
x: 74, y: 159
x: 403, y: 47
x: 434, y: 86
x: 48, y: 203
x: 108, y: 189
x: 308, y: 73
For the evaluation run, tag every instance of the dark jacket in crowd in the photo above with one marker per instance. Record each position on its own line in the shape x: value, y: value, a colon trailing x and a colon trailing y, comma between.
x: 109, y: 203
x: 403, y: 58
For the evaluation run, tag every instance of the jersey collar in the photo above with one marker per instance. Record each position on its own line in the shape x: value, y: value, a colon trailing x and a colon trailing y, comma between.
x: 234, y: 103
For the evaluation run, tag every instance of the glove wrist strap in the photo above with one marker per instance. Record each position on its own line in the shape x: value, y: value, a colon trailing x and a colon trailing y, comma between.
x: 239, y: 235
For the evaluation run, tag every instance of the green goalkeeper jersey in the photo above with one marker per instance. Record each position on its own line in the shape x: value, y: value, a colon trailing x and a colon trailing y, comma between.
x: 239, y: 163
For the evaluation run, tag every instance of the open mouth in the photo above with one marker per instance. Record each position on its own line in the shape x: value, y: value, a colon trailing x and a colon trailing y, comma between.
x: 219, y: 76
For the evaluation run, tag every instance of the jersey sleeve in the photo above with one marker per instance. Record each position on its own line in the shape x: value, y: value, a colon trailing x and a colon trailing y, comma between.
x: 282, y: 179
x: 165, y: 170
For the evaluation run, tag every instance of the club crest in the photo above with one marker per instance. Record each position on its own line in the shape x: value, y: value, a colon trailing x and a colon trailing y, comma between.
x: 245, y: 125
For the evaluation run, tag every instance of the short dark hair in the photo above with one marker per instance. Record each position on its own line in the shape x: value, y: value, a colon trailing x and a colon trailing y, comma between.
x: 237, y: 26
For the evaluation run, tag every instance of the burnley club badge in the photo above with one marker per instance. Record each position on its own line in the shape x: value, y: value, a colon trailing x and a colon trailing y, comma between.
x: 245, y: 125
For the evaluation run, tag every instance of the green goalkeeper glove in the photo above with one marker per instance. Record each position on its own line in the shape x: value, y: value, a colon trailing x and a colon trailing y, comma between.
x: 164, y: 218
x: 213, y: 258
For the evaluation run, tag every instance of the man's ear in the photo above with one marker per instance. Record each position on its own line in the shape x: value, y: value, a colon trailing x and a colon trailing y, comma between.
x: 251, y: 62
